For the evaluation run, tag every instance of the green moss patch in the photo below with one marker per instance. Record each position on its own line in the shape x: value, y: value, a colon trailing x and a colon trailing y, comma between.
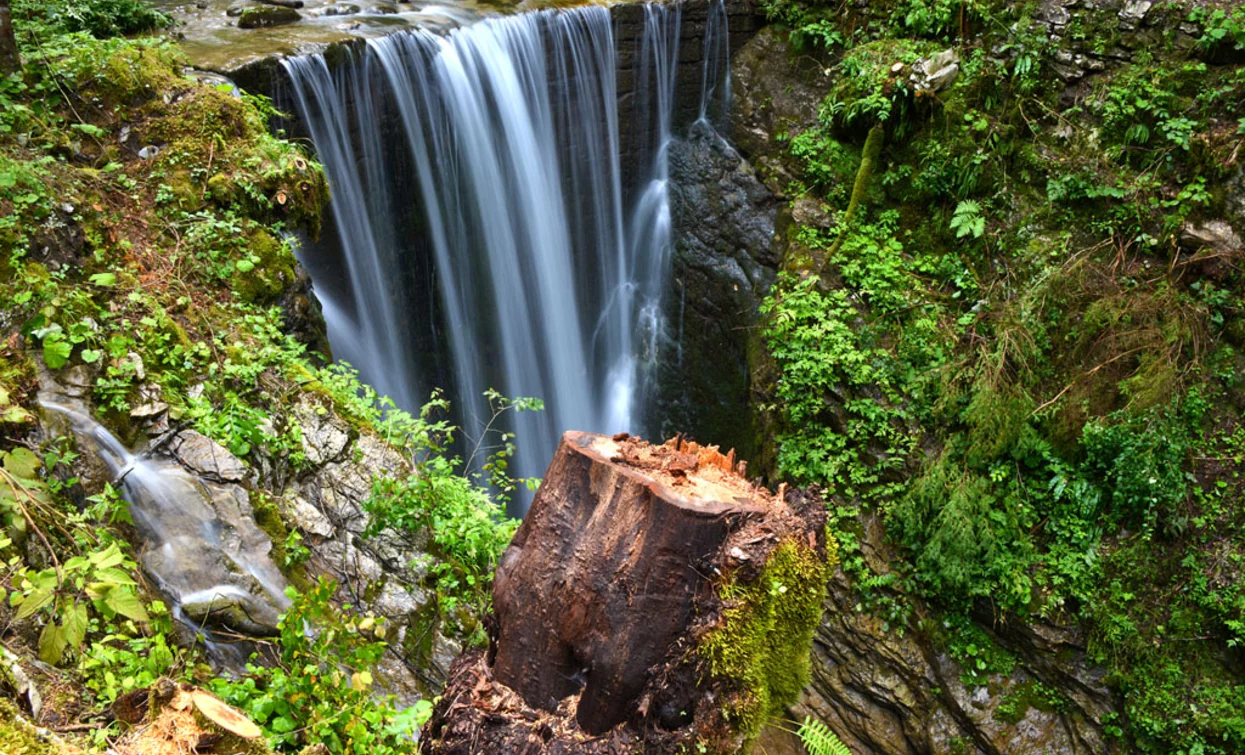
x: 763, y: 638
x: 17, y: 737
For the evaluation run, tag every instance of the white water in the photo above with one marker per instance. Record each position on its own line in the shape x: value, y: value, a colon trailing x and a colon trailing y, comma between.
x: 545, y: 283
x: 189, y: 550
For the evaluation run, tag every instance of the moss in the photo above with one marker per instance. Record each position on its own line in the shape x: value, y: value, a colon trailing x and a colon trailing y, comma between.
x: 17, y: 737
x: 268, y: 518
x: 133, y: 73
x: 761, y: 644
x: 1018, y: 700
x: 868, y: 160
x: 273, y: 271
x: 185, y: 195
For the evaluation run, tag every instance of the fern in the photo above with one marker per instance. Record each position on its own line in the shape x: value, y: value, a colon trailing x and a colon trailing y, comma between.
x: 967, y: 220
x: 819, y: 740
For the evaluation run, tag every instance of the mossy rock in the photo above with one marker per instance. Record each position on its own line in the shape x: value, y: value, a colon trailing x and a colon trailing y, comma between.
x: 18, y: 737
x: 262, y: 18
x: 273, y: 271
x: 135, y: 74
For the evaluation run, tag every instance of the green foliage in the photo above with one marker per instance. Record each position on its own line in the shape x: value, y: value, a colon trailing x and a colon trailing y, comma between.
x: 867, y: 91
x: 819, y: 740
x: 1009, y: 358
x: 1220, y: 27
x: 468, y: 529
x: 968, y: 220
x: 827, y: 163
x: 109, y: 18
x: 322, y: 690
x: 119, y: 663
x: 99, y: 580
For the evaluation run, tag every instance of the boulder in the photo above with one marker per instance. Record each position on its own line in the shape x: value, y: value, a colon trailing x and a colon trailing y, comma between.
x: 267, y: 16
x: 206, y: 458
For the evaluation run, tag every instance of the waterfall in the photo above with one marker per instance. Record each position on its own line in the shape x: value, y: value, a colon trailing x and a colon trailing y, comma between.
x: 489, y: 233
x: 201, y: 545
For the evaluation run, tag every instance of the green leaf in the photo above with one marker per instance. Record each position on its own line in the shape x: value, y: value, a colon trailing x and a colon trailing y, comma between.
x: 34, y: 600
x: 52, y: 644
x: 104, y: 279
x: 21, y: 462
x: 115, y: 577
x: 75, y: 624
x: 283, y: 725
x: 107, y: 558
x: 56, y: 353
x: 90, y: 356
x: 127, y: 604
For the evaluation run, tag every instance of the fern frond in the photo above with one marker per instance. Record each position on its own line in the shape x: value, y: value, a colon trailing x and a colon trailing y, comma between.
x: 819, y: 740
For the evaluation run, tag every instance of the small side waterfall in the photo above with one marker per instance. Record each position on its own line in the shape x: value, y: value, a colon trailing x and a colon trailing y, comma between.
x: 492, y: 232
x: 202, y: 547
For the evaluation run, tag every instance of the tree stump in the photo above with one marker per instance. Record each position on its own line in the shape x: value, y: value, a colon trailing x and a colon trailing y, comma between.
x: 652, y: 596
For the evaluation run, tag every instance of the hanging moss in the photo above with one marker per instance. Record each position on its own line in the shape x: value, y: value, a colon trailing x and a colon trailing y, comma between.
x: 868, y: 160
x: 763, y: 639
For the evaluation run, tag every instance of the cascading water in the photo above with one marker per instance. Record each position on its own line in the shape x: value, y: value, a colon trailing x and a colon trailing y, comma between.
x: 490, y: 236
x: 212, y: 563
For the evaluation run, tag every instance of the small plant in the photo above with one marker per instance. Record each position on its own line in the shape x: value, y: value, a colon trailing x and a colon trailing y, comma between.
x: 968, y: 220
x: 322, y: 689
x: 819, y: 740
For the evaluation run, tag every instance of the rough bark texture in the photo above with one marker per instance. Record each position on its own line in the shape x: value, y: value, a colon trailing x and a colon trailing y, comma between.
x: 9, y: 60
x: 601, y: 580
x: 610, y: 600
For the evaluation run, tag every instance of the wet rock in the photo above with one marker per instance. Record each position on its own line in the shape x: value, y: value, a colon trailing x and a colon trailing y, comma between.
x: 206, y: 458
x: 234, y: 11
x: 267, y: 16
x: 775, y: 92
x: 301, y: 315
x: 724, y: 263
x: 149, y: 406
x: 340, y: 9
x: 77, y: 381
x: 230, y: 608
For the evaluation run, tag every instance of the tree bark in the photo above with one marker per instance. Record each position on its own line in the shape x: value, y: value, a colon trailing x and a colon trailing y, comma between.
x: 607, y: 593
x: 10, y: 61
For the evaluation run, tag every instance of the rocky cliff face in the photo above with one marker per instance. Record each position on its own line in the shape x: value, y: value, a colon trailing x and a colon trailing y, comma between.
x: 880, y: 687
x: 725, y: 258
x: 885, y: 690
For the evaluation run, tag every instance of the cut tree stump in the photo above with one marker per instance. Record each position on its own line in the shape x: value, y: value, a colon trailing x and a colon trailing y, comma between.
x: 638, y: 605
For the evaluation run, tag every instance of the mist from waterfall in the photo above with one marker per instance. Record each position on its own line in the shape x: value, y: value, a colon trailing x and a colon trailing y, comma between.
x: 516, y: 251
